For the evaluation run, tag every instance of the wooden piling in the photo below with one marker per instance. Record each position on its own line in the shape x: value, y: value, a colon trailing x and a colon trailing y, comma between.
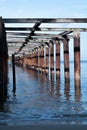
x: 66, y: 58
x: 58, y: 58
x: 3, y: 62
x: 77, y: 58
x: 47, y: 58
x: 49, y: 65
x: 54, y: 62
x: 52, y: 59
x: 44, y: 59
x: 13, y: 67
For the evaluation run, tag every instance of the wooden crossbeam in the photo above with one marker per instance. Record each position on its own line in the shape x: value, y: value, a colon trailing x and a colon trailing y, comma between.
x: 45, y: 20
x: 33, y: 30
x: 44, y: 29
x: 18, y: 29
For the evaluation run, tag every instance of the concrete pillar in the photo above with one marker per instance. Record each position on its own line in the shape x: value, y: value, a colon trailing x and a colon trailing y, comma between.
x: 77, y: 57
x: 66, y: 59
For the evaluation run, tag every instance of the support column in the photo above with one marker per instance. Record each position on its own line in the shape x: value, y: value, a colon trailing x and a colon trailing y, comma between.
x: 23, y: 60
x: 3, y: 62
x: 54, y: 62
x: 38, y: 60
x: 13, y: 67
x: 52, y: 59
x: 49, y: 65
x: 66, y: 59
x: 47, y: 56
x: 77, y: 58
x: 58, y: 59
x: 44, y: 59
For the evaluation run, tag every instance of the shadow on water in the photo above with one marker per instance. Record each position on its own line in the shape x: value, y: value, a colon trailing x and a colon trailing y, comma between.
x: 3, y: 93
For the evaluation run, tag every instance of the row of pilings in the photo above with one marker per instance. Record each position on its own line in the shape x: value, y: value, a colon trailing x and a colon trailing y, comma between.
x: 3, y: 62
x: 46, y: 59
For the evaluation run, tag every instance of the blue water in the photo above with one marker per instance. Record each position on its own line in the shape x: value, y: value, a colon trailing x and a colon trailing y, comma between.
x: 38, y: 100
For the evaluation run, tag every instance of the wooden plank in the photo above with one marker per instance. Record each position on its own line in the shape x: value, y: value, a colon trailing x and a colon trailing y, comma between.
x: 44, y: 29
x: 62, y: 29
x: 45, y: 20
x: 18, y: 29
x: 35, y: 27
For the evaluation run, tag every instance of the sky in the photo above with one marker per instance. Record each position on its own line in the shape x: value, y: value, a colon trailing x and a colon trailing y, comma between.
x: 47, y: 9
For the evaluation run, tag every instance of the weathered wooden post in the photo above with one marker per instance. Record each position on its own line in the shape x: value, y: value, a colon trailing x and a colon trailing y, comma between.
x: 54, y: 62
x: 66, y: 58
x: 13, y: 67
x: 49, y: 65
x: 77, y: 57
x: 67, y: 90
x: 58, y: 59
x: 23, y: 59
x: 38, y: 60
x: 52, y: 59
x: 47, y: 58
x: 44, y: 59
x: 3, y: 61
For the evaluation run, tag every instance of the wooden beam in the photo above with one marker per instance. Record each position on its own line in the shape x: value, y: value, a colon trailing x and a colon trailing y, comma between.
x: 62, y: 29
x: 18, y: 29
x: 35, y: 27
x: 44, y: 29
x: 45, y: 20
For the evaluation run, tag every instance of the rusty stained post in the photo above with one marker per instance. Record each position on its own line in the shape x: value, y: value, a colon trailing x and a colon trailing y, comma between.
x: 66, y: 59
x: 47, y: 59
x: 3, y: 62
x: 23, y: 60
x: 40, y: 64
x: 44, y: 59
x: 14, y: 76
x: 38, y: 60
x: 77, y: 58
x: 54, y: 62
x: 52, y: 59
x: 49, y: 65
x: 58, y: 59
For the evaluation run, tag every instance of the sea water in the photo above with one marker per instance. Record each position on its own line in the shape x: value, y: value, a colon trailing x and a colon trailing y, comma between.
x: 38, y: 100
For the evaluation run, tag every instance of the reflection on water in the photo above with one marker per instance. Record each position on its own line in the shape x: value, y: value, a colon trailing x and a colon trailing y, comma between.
x: 38, y: 99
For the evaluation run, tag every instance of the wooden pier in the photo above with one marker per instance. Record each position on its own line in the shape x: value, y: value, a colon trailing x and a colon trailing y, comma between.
x: 38, y: 47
